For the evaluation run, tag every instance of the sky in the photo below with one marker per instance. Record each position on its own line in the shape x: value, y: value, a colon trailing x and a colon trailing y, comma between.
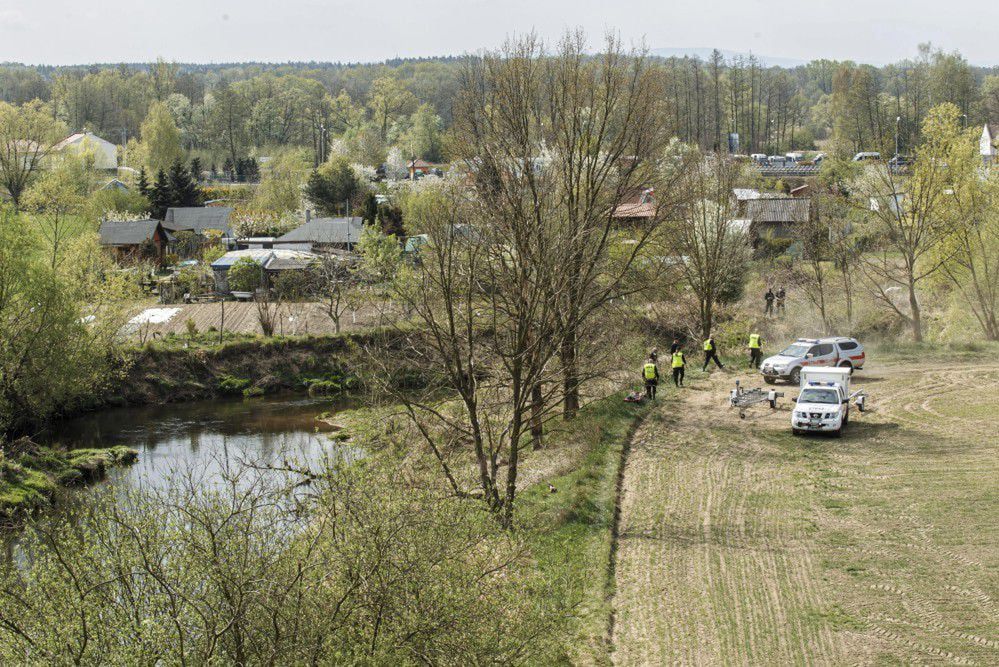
x: 874, y: 31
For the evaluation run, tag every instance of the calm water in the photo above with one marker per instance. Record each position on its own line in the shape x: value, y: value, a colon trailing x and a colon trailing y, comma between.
x: 203, y: 436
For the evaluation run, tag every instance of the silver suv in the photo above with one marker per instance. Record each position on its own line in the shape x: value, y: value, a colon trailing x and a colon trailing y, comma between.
x: 836, y: 351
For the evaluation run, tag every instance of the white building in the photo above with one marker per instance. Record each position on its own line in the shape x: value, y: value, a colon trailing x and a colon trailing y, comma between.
x: 986, y: 146
x: 105, y: 152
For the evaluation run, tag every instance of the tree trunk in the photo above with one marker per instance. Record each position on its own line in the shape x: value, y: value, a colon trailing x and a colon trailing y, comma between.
x: 570, y: 376
x: 537, y: 409
x: 915, y: 314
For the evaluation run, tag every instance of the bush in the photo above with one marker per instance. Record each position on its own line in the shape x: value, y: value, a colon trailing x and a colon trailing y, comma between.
x: 232, y: 385
x: 244, y: 275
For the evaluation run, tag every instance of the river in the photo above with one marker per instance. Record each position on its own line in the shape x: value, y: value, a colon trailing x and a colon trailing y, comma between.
x: 203, y: 436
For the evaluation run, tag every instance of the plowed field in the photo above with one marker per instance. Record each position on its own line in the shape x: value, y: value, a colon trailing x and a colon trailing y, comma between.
x: 741, y: 544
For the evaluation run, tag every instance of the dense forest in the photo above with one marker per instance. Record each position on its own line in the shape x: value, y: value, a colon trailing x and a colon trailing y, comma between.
x: 230, y: 110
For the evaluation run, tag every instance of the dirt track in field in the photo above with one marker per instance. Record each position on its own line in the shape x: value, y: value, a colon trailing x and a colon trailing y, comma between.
x: 741, y: 544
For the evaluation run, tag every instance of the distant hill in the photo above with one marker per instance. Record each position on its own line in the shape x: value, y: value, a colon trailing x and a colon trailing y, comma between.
x: 705, y: 52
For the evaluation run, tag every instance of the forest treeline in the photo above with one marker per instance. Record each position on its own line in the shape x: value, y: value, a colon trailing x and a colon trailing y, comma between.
x: 227, y: 110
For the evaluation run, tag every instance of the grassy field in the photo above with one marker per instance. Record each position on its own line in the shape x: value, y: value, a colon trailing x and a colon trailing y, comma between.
x: 741, y: 544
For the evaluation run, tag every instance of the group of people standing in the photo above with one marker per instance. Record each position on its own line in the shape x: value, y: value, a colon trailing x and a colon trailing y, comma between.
x: 774, y: 301
x: 678, y: 361
x: 678, y: 364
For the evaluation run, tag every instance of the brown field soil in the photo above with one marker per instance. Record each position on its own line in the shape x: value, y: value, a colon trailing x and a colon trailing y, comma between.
x: 742, y: 544
x: 241, y: 317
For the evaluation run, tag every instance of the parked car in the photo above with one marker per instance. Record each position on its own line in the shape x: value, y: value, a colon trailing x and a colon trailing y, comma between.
x: 866, y: 156
x: 813, y: 352
x: 900, y: 161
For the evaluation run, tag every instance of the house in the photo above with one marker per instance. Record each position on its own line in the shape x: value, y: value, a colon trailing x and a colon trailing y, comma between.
x: 776, y: 217
x: 418, y: 166
x: 105, y: 153
x: 135, y: 238
x: 323, y: 235
x: 987, y: 147
x: 636, y: 205
x: 272, y: 262
x: 115, y: 184
x: 200, y: 220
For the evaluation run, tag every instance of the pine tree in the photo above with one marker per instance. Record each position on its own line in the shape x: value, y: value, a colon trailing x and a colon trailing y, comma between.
x: 183, y: 190
x: 196, y: 169
x: 160, y: 195
x: 143, y: 182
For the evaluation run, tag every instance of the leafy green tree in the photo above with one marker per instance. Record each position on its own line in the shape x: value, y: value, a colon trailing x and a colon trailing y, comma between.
x: 280, y: 188
x: 332, y: 187
x: 244, y: 275
x: 60, y: 325
x: 425, y: 136
x: 380, y: 254
x: 27, y: 135
x: 160, y: 138
x: 389, y: 100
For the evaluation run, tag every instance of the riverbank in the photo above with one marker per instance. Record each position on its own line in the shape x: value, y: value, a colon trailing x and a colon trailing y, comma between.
x: 30, y: 474
x: 177, y: 370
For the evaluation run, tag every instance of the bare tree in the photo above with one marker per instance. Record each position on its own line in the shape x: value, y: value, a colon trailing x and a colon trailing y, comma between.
x: 487, y: 336
x: 562, y: 139
x: 710, y: 250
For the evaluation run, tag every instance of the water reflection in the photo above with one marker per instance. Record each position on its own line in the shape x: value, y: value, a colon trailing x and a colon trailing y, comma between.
x: 204, y: 436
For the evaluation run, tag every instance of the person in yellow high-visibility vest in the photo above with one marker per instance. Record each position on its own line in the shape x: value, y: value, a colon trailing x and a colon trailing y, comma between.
x: 678, y: 364
x: 650, y: 373
x: 755, y: 350
x: 711, y: 353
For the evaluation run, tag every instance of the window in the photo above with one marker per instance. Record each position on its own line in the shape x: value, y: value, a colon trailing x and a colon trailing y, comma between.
x: 848, y: 345
x: 822, y: 350
x: 827, y: 396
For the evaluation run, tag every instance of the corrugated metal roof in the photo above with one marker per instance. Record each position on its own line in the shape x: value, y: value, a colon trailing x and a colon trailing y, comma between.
x: 198, y: 219
x: 271, y: 259
x: 325, y: 230
x: 792, y: 209
x: 133, y: 232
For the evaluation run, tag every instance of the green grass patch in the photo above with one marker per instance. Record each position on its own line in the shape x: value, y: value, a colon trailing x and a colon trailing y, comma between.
x: 572, y: 528
x: 31, y: 473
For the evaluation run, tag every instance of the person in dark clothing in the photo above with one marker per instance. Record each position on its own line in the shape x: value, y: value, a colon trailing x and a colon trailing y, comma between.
x: 769, y: 298
x: 675, y: 346
x: 781, y: 296
x: 711, y: 353
x: 650, y: 373
x: 678, y: 367
x: 654, y: 355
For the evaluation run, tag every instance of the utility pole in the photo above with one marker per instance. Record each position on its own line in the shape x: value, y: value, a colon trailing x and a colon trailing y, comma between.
x: 898, y: 119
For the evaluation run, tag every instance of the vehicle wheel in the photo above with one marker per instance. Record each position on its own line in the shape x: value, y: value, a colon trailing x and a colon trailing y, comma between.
x: 846, y: 419
x: 795, y: 377
x: 769, y: 380
x: 846, y: 364
x: 838, y: 433
x: 795, y: 431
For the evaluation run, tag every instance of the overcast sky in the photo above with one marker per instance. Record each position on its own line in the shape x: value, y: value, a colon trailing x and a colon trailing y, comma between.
x: 86, y: 31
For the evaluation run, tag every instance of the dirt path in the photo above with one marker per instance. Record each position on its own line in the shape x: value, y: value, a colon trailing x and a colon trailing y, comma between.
x: 740, y: 544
